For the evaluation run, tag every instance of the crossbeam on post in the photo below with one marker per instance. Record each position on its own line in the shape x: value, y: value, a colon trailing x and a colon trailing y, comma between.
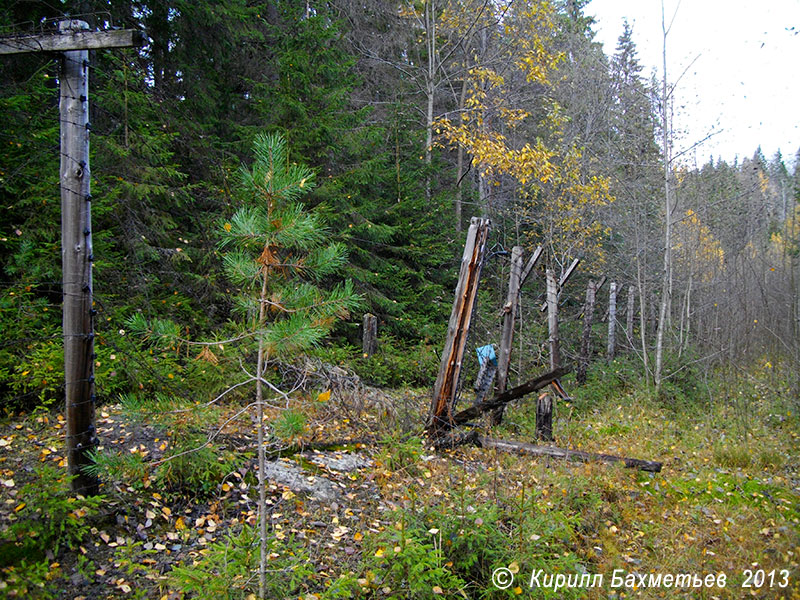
x: 67, y: 40
x: 74, y: 40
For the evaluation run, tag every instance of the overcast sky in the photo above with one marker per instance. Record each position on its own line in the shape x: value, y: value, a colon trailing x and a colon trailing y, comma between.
x: 745, y: 79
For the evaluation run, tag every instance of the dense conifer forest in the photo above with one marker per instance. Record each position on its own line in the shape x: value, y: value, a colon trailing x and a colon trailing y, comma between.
x: 266, y: 173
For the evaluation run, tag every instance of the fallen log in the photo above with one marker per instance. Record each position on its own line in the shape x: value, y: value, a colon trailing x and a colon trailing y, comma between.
x: 502, y: 399
x: 578, y: 455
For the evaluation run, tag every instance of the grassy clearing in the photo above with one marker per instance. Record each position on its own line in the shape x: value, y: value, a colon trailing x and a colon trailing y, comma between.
x: 416, y: 524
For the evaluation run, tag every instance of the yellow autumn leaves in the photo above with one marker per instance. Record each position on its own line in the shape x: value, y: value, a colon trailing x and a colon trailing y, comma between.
x: 696, y: 247
x: 496, y: 127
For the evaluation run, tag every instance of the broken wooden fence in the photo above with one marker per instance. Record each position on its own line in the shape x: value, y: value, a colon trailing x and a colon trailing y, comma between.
x: 442, y: 421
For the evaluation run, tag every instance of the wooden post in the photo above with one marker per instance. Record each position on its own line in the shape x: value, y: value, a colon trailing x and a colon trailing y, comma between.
x: 76, y: 260
x: 507, y: 339
x: 74, y: 40
x: 544, y: 417
x: 629, y: 315
x: 466, y: 294
x: 563, y: 280
x: 586, y: 340
x: 369, y: 335
x: 612, y: 321
x: 552, y: 320
x: 544, y: 406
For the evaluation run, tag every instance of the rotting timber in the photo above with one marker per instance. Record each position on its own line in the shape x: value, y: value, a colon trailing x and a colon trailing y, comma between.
x: 444, y: 391
x: 441, y: 421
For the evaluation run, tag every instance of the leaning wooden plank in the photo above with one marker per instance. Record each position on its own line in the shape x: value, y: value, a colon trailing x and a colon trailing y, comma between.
x: 477, y: 410
x: 578, y: 455
x: 562, y: 393
x: 530, y: 264
x: 563, y: 280
x: 466, y: 294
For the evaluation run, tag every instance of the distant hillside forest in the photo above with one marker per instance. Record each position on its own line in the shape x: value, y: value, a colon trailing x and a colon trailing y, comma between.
x: 412, y: 118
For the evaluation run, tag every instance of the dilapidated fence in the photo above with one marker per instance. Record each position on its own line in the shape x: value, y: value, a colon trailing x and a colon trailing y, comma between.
x: 444, y: 420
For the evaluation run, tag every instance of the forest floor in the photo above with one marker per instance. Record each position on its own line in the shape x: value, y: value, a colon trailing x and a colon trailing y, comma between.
x: 380, y: 515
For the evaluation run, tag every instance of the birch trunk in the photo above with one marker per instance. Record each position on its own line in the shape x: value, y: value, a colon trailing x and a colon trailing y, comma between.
x: 666, y: 287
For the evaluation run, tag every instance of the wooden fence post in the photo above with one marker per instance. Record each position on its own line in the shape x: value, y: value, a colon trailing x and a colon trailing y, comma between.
x: 544, y: 406
x: 586, y: 340
x: 506, y: 341
x: 369, y: 335
x: 563, y: 280
x: 74, y: 39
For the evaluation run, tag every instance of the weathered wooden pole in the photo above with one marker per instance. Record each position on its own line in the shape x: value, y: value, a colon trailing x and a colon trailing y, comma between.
x: 552, y: 320
x: 444, y: 391
x: 526, y: 388
x: 507, y: 339
x: 586, y: 339
x: 575, y: 455
x: 563, y: 280
x: 76, y: 260
x: 74, y: 39
x: 612, y: 321
x: 369, y: 335
x: 544, y: 405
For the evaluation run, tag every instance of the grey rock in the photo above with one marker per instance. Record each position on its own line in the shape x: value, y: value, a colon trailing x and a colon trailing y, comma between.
x: 297, y: 480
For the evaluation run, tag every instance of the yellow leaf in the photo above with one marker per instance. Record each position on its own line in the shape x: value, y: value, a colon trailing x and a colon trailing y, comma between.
x: 180, y: 524
x: 227, y: 226
x: 19, y: 507
x: 437, y: 590
x: 324, y: 396
x: 358, y: 536
x: 379, y: 552
x: 514, y: 567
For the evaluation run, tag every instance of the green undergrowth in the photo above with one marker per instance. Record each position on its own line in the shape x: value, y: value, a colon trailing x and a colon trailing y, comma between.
x: 397, y: 364
x: 47, y: 519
